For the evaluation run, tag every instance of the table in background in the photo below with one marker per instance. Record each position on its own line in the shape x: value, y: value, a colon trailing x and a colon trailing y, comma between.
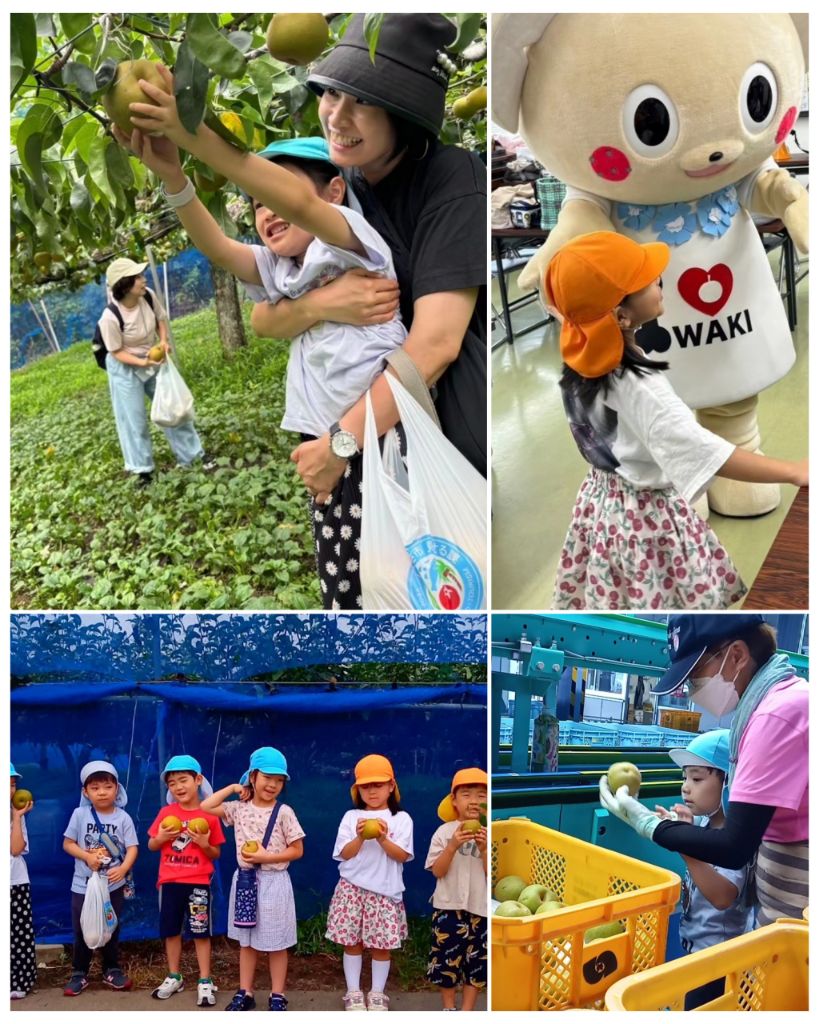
x: 520, y: 235
x: 782, y: 582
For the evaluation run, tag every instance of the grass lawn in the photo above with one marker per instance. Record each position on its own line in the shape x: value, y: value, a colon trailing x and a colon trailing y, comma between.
x: 84, y: 536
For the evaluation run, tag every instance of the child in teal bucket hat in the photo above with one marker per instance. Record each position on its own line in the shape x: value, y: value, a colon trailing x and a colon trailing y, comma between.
x: 716, y: 902
x: 262, y: 908
x: 188, y: 841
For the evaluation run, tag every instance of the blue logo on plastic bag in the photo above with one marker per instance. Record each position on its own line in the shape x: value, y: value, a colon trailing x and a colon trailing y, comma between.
x: 443, y: 577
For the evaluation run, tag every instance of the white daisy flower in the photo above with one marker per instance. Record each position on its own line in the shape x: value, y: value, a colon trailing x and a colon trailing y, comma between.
x: 346, y: 532
x: 343, y: 586
x: 359, y: 602
x: 337, y: 511
x: 352, y: 564
x: 327, y: 532
x: 355, y: 511
x: 323, y: 586
x: 317, y: 516
x: 337, y: 550
x: 358, y: 543
x: 336, y: 606
x: 348, y: 469
x: 331, y: 568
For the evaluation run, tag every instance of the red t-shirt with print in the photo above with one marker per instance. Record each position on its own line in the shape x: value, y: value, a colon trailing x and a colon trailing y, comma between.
x: 181, y: 860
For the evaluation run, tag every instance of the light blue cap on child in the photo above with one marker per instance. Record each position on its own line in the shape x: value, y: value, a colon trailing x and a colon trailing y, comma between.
x: 313, y: 148
x: 15, y: 772
x: 185, y: 763
x: 708, y: 750
x: 267, y: 760
x: 91, y: 768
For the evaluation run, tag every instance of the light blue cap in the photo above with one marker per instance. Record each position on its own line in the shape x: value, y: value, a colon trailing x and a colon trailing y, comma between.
x: 186, y: 763
x: 267, y: 760
x: 708, y: 750
x: 15, y: 772
x: 91, y: 768
x: 313, y: 148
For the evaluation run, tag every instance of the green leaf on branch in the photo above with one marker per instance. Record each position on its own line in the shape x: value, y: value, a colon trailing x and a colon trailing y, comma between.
x: 45, y: 25
x: 372, y: 30
x: 190, y: 87
x: 118, y: 164
x: 468, y: 26
x: 97, y: 167
x: 212, y: 48
x: 23, y: 48
x: 79, y: 28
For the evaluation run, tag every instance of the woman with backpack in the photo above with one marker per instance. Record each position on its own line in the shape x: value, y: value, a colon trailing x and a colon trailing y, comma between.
x: 129, y: 328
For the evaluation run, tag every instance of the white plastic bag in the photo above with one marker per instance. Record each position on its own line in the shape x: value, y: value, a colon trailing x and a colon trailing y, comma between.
x: 173, y: 402
x: 98, y: 918
x: 423, y: 527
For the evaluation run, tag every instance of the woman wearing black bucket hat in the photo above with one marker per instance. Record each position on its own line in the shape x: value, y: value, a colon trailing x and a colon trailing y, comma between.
x: 428, y: 200
x: 729, y: 662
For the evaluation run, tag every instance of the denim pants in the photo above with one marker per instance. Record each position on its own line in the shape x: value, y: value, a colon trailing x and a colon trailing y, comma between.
x: 128, y: 394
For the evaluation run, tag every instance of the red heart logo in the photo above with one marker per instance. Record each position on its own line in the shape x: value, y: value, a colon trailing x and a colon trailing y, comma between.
x: 692, y: 281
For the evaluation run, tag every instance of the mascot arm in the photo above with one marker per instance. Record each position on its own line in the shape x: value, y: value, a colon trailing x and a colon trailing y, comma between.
x: 578, y: 217
x: 779, y: 195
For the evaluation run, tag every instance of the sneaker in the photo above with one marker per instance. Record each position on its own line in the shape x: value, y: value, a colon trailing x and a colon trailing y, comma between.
x: 354, y: 1001
x: 17, y: 995
x: 378, y: 1001
x: 208, y: 462
x: 276, y: 1001
x: 173, y: 983
x: 116, y: 980
x: 241, y: 1001
x: 145, y: 479
x: 76, y: 984
x: 204, y: 992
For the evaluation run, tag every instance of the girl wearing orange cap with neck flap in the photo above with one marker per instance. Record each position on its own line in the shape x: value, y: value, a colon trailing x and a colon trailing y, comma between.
x: 374, y: 842
x: 634, y: 540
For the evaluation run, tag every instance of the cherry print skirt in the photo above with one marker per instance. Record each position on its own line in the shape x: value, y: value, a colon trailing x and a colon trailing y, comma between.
x: 358, y: 915
x: 629, y: 548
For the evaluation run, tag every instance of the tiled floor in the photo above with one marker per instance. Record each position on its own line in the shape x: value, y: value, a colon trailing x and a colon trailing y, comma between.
x: 536, y: 468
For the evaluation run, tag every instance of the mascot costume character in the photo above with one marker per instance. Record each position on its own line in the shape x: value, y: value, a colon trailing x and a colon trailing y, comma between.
x: 663, y: 128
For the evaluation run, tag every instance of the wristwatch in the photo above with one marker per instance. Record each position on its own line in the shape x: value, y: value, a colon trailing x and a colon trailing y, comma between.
x: 342, y: 443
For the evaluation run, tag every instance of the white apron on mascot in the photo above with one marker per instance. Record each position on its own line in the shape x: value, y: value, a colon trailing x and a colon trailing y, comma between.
x: 718, y: 290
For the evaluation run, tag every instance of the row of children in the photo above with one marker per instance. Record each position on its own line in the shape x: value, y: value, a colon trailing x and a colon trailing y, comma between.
x: 374, y: 841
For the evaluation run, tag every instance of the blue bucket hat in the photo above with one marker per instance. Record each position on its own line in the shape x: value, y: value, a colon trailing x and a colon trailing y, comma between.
x: 690, y: 636
x: 185, y: 763
x: 708, y: 750
x: 267, y: 760
x: 313, y: 148
x: 15, y: 772
x: 89, y: 769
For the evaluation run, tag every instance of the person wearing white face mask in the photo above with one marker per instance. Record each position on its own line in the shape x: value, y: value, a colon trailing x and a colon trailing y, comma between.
x: 730, y: 662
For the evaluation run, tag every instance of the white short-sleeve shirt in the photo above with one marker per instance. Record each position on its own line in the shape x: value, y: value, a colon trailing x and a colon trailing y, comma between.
x: 19, y: 871
x: 371, y: 868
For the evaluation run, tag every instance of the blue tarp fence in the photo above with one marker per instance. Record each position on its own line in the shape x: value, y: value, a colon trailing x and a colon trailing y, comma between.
x: 428, y: 732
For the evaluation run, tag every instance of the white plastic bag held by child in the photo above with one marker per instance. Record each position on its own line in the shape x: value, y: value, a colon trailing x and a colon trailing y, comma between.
x: 173, y: 401
x: 98, y: 919
x: 423, y: 530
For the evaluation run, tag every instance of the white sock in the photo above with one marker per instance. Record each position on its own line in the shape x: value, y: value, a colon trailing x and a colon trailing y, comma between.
x: 352, y: 971
x: 381, y: 969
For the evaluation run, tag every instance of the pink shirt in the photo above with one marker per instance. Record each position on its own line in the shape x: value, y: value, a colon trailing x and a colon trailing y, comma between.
x: 772, y: 763
x: 250, y: 822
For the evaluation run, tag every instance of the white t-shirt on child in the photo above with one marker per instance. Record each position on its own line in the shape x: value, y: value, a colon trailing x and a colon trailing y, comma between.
x: 331, y: 365
x: 371, y: 868
x: 645, y: 433
x: 19, y: 871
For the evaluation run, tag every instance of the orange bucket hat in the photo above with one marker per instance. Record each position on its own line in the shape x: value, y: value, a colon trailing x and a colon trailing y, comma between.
x: 587, y: 279
x: 464, y: 777
x: 373, y: 768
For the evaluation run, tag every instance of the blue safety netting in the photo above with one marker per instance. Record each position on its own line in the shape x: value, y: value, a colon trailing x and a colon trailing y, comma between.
x: 428, y: 732
x: 113, y: 648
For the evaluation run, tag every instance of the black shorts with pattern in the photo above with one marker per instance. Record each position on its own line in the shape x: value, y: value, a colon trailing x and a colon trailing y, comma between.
x: 458, y: 953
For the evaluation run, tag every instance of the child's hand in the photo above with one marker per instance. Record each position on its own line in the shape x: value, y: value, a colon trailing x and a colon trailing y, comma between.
x: 117, y: 874
x: 159, y: 155
x: 460, y: 836
x: 481, y: 838
x: 165, y: 835
x: 683, y: 813
x: 259, y: 857
x: 245, y: 792
x: 200, y: 839
x: 159, y: 114
x: 18, y: 812
x: 800, y: 473
x: 96, y: 858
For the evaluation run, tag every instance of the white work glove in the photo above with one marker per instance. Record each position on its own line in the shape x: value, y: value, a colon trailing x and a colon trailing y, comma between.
x: 623, y: 806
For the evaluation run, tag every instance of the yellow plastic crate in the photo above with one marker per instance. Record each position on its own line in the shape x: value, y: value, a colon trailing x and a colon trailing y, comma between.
x: 763, y: 970
x: 541, y: 963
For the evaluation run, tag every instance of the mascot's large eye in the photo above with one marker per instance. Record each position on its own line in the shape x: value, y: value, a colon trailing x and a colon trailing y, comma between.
x: 650, y: 121
x: 758, y: 97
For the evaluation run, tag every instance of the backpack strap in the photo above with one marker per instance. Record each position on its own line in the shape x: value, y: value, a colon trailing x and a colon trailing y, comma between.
x: 105, y: 839
x: 115, y: 310
x: 268, y: 832
x: 149, y: 298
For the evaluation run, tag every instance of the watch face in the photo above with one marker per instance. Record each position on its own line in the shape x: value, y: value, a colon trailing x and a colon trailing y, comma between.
x: 344, y: 444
